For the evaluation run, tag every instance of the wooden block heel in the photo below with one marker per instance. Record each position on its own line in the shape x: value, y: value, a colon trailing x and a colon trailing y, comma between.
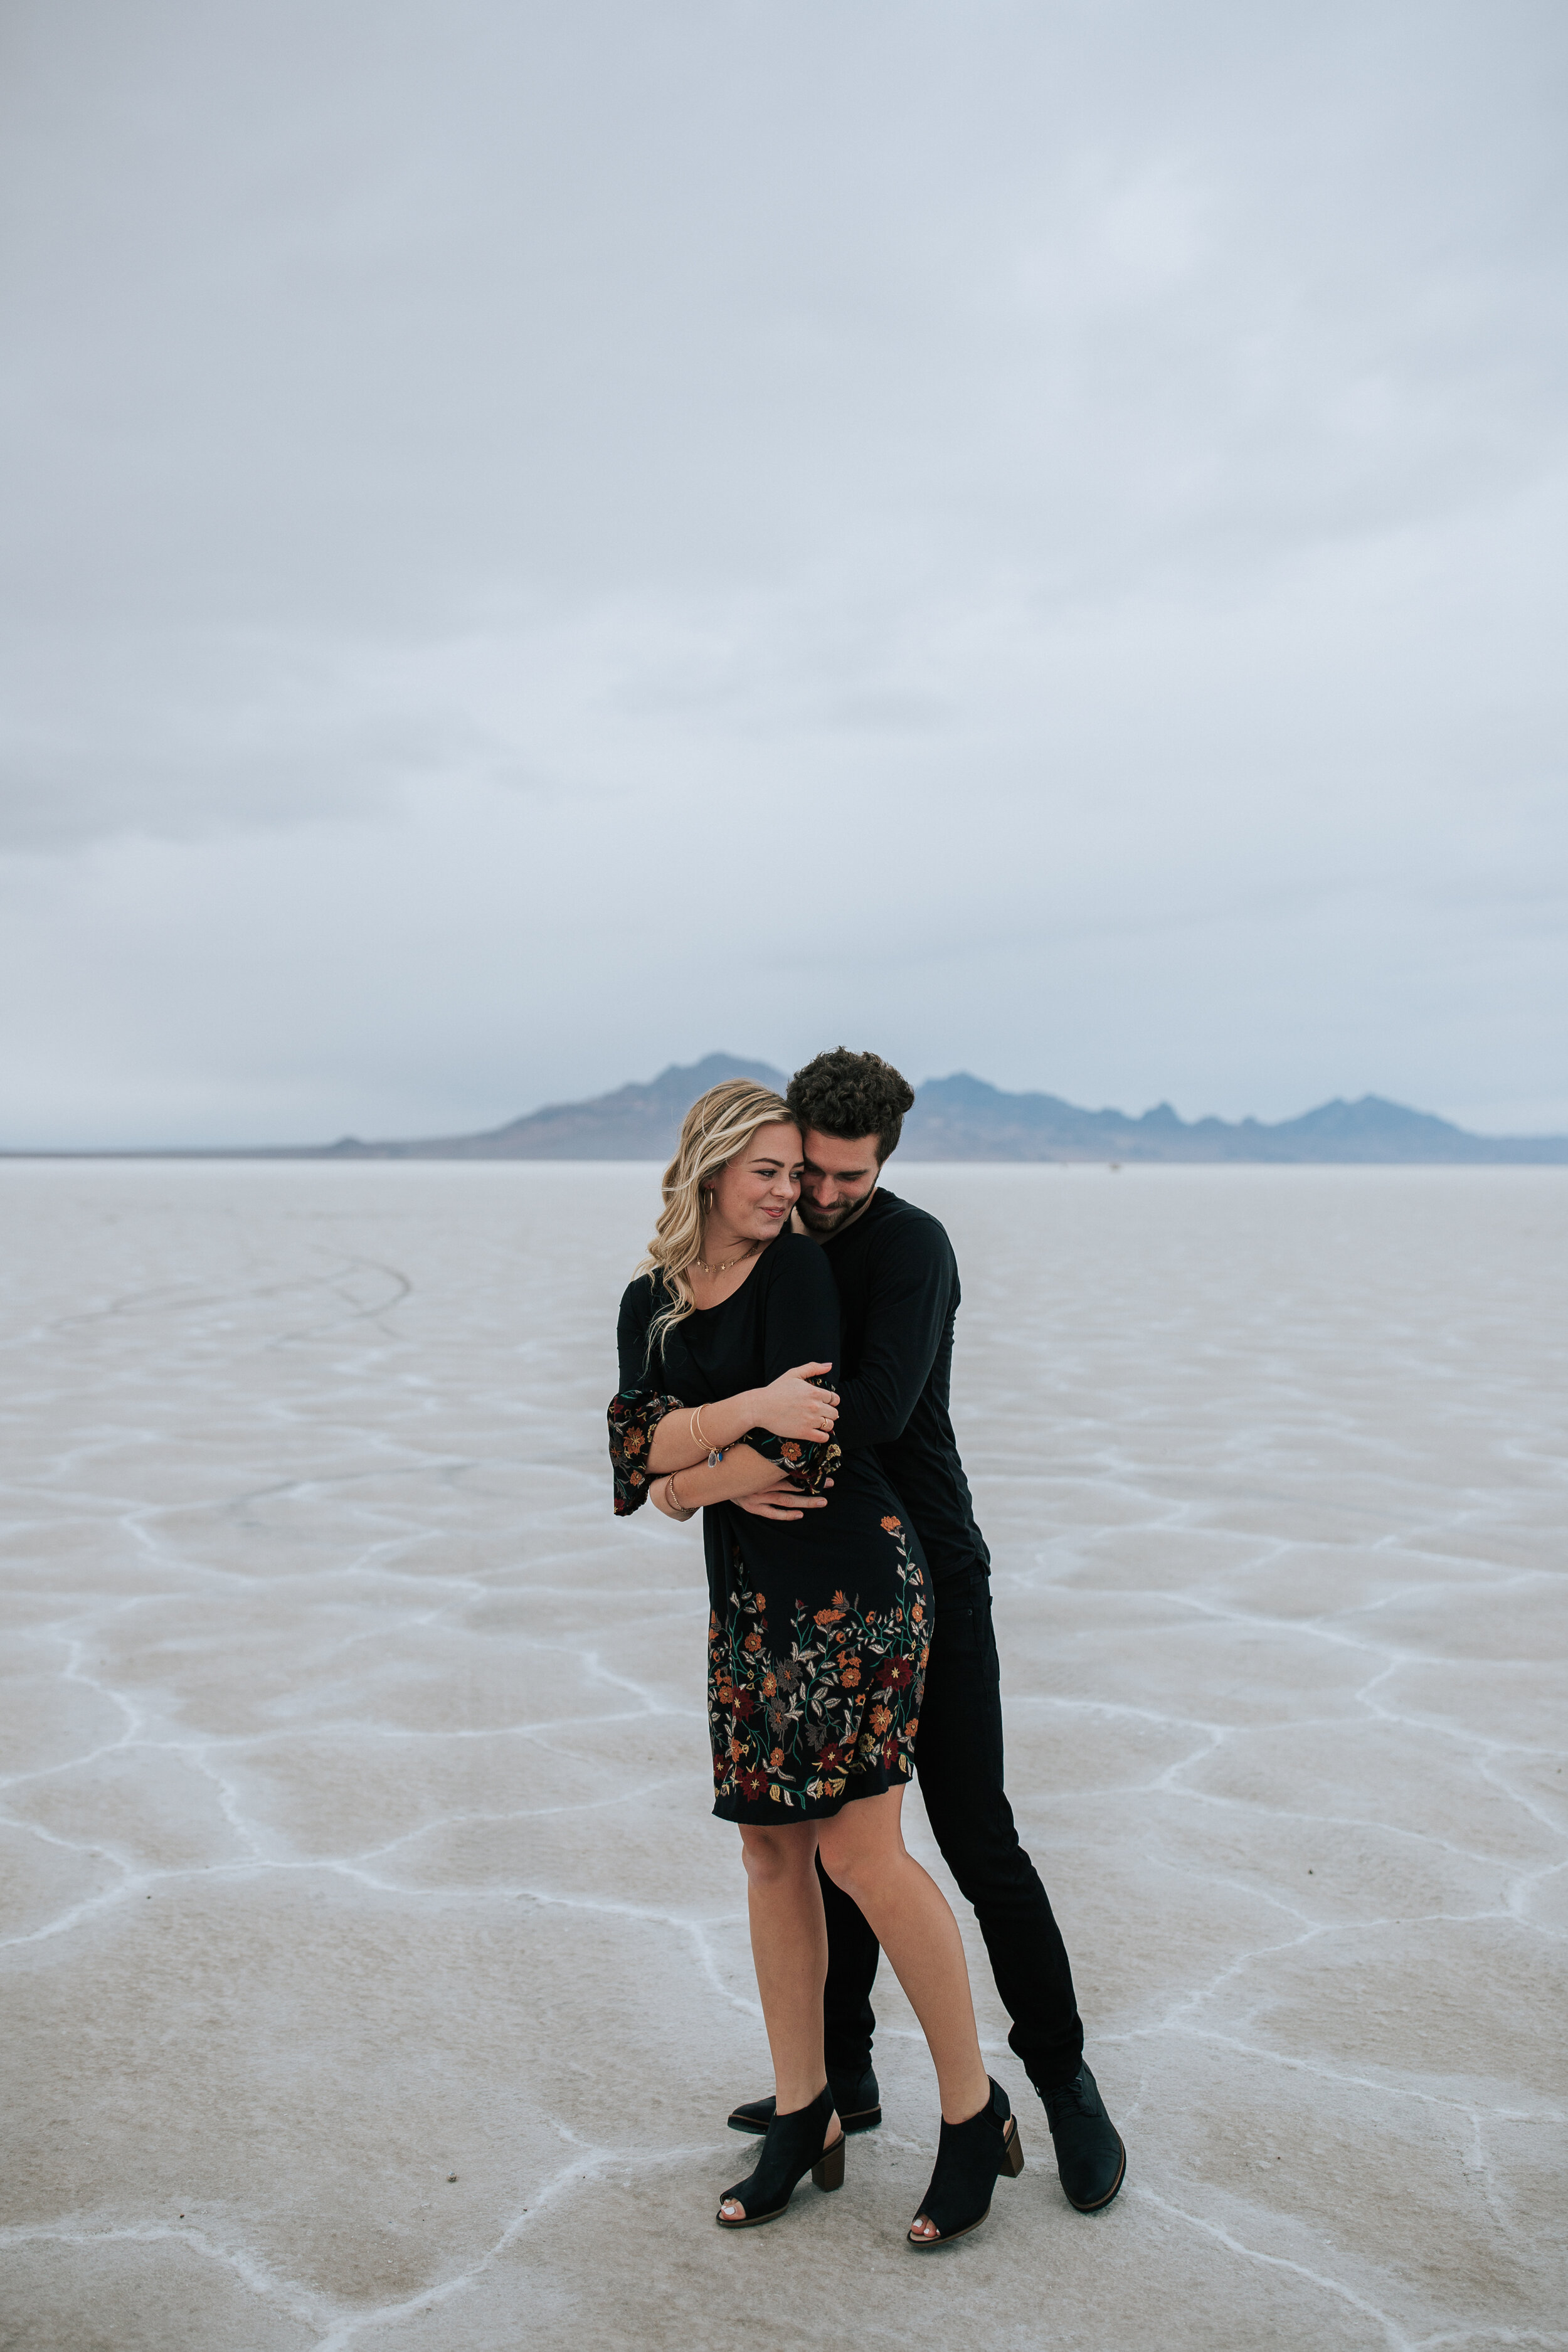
x: 829, y: 2170
x: 1013, y: 2153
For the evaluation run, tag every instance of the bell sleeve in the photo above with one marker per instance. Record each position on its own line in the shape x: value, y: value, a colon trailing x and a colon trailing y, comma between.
x: 633, y: 1414
x: 807, y: 1467
x: 638, y: 1408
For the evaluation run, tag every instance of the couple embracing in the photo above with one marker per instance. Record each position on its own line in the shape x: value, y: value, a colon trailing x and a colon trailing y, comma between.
x: 785, y: 1359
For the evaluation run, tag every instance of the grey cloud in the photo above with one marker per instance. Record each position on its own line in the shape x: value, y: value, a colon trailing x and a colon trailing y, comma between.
x: 1097, y: 471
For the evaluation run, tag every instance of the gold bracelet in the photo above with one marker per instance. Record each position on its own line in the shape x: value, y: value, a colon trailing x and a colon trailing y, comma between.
x: 715, y: 1452
x: 671, y: 1497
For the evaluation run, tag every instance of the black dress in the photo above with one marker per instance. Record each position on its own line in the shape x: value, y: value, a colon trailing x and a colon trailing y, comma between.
x: 819, y: 1627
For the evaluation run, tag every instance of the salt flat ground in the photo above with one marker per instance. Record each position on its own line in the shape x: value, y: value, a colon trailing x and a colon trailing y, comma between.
x: 354, y: 1826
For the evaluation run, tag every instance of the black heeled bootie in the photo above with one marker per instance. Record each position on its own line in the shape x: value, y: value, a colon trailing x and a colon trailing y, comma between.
x: 856, y: 2095
x: 969, y: 2157
x: 796, y: 2144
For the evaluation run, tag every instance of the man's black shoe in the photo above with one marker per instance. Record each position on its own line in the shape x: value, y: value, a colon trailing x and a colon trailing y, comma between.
x: 1090, y: 2158
x: 856, y: 2097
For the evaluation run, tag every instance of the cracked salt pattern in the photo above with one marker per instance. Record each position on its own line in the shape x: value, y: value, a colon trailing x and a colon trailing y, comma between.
x: 353, y: 1826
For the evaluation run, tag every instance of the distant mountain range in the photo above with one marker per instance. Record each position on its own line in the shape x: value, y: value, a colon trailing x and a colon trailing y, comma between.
x: 962, y: 1118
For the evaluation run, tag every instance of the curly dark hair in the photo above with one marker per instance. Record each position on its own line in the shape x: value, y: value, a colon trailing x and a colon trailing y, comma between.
x: 848, y: 1093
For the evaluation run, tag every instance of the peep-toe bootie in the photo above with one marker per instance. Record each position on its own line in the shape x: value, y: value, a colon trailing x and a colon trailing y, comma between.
x: 796, y: 2144
x: 969, y: 2156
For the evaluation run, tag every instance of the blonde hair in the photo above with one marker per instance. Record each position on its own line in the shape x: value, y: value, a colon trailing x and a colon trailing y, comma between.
x: 716, y: 1130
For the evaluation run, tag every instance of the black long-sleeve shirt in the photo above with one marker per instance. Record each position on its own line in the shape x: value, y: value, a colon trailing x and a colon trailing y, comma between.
x: 898, y: 1294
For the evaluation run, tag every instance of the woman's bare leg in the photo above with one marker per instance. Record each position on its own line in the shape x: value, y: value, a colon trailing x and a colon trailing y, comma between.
x: 789, y: 1952
x: 863, y: 1852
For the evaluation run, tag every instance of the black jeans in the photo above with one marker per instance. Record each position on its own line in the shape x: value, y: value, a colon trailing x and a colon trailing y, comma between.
x: 958, y: 1757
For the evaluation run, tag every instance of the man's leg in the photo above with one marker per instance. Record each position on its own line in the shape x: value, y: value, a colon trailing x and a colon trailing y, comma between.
x: 958, y: 1756
x: 848, y: 2017
x: 958, y: 1760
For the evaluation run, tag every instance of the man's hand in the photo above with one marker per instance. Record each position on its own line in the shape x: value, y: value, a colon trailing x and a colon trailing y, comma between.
x: 792, y: 1406
x: 781, y: 1502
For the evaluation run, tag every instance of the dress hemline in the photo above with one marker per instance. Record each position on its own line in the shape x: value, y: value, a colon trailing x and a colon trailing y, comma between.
x: 763, y: 1813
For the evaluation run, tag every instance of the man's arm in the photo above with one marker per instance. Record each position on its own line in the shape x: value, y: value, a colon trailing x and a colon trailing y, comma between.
x: 905, y: 1320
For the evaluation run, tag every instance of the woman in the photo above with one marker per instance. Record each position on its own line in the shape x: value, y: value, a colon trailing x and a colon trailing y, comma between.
x: 817, y: 1636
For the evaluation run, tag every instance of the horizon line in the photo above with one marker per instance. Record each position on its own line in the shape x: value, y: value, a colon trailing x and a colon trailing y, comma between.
x: 349, y: 1143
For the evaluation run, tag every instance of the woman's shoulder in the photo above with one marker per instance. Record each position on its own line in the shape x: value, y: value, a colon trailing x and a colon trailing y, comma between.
x: 792, y: 1249
x: 796, y: 1259
x: 641, y: 1297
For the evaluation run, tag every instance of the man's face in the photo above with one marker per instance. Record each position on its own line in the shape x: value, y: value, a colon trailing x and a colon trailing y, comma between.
x: 840, y: 1172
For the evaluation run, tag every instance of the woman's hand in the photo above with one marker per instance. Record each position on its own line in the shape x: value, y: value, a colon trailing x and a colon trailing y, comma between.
x: 792, y: 1406
x: 781, y: 1502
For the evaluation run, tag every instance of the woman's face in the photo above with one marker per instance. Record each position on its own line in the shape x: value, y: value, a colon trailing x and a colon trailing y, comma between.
x: 754, y: 1193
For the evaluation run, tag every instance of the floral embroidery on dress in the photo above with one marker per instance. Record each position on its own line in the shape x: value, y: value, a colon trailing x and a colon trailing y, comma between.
x: 809, y: 1467
x: 793, y: 1719
x: 633, y: 1417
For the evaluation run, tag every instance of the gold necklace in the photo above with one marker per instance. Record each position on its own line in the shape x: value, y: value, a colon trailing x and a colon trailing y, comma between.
x: 725, y: 1264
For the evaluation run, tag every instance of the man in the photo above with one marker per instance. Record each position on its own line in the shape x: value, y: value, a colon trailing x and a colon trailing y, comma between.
x: 899, y: 1292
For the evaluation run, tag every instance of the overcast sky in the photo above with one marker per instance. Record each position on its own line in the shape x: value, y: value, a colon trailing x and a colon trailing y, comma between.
x: 545, y: 541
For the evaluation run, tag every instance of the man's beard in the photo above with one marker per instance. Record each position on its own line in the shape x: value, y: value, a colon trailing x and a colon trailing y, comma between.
x: 827, y: 1220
